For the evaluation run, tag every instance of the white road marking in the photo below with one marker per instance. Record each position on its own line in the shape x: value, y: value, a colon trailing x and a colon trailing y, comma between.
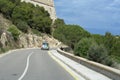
x: 26, y: 68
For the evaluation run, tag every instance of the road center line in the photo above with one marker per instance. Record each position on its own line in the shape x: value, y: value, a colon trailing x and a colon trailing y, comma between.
x: 26, y: 68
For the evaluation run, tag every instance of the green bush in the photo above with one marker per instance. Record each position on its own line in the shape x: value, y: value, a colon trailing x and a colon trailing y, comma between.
x: 82, y: 47
x: 14, y: 31
x: 98, y: 53
x: 3, y: 50
x: 58, y: 22
x: 100, y: 39
x: 23, y: 26
x: 36, y: 32
x: 88, y: 48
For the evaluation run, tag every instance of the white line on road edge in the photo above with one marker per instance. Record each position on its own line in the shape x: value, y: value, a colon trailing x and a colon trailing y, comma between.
x: 26, y: 68
x: 70, y: 71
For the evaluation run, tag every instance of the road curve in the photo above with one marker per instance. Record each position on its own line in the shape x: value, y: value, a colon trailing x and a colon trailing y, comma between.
x: 31, y: 64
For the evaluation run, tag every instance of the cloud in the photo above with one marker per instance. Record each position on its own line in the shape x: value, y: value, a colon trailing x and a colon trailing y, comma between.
x: 91, y: 14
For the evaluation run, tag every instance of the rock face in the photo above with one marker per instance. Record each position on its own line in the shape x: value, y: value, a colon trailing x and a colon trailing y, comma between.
x: 6, y: 39
x: 3, y: 39
x: 52, y: 41
x: 30, y: 41
x: 4, y: 23
x: 26, y: 40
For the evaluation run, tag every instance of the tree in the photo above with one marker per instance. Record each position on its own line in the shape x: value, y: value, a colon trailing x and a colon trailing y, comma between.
x: 115, y: 53
x: 58, y: 22
x: 47, y: 25
x: 100, y: 39
x: 23, y: 26
x: 29, y: 15
x: 6, y: 7
x: 109, y: 42
x: 70, y: 34
x: 40, y: 20
x: 22, y: 12
x: 99, y: 54
x: 82, y: 47
x: 15, y: 1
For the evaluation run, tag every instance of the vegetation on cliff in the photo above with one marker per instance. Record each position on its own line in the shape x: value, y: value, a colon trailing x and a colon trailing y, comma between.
x: 26, y: 15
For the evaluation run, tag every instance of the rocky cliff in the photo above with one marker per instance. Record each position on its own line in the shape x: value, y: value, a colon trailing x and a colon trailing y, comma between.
x: 25, y: 40
x: 29, y: 40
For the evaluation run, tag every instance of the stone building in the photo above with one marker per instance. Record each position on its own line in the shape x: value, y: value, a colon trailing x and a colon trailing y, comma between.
x: 47, y: 4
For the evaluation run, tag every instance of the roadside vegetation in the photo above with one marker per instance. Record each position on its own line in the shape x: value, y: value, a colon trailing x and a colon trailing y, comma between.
x: 104, y: 49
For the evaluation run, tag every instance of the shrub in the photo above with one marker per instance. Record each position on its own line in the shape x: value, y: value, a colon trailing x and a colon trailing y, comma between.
x: 36, y: 32
x: 14, y: 31
x: 23, y: 26
x: 58, y: 22
x: 98, y: 53
x: 82, y: 47
x: 3, y: 50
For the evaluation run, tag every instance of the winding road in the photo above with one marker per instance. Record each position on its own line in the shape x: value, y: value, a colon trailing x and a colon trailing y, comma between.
x: 31, y: 64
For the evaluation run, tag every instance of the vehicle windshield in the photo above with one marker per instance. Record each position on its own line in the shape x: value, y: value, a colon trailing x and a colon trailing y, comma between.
x: 45, y: 44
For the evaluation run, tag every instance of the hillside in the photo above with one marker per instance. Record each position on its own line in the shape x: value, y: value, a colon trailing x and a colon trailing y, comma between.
x: 25, y: 40
x: 24, y: 25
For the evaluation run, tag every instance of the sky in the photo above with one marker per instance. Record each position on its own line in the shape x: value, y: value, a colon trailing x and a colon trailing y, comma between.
x: 95, y: 16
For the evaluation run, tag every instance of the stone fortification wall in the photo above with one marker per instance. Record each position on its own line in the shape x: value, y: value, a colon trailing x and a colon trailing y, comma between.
x: 47, y: 4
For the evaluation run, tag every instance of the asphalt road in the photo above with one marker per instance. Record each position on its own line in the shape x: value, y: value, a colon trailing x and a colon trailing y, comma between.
x: 31, y: 64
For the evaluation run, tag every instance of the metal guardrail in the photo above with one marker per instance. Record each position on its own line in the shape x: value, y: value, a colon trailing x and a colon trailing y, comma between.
x: 105, y: 70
